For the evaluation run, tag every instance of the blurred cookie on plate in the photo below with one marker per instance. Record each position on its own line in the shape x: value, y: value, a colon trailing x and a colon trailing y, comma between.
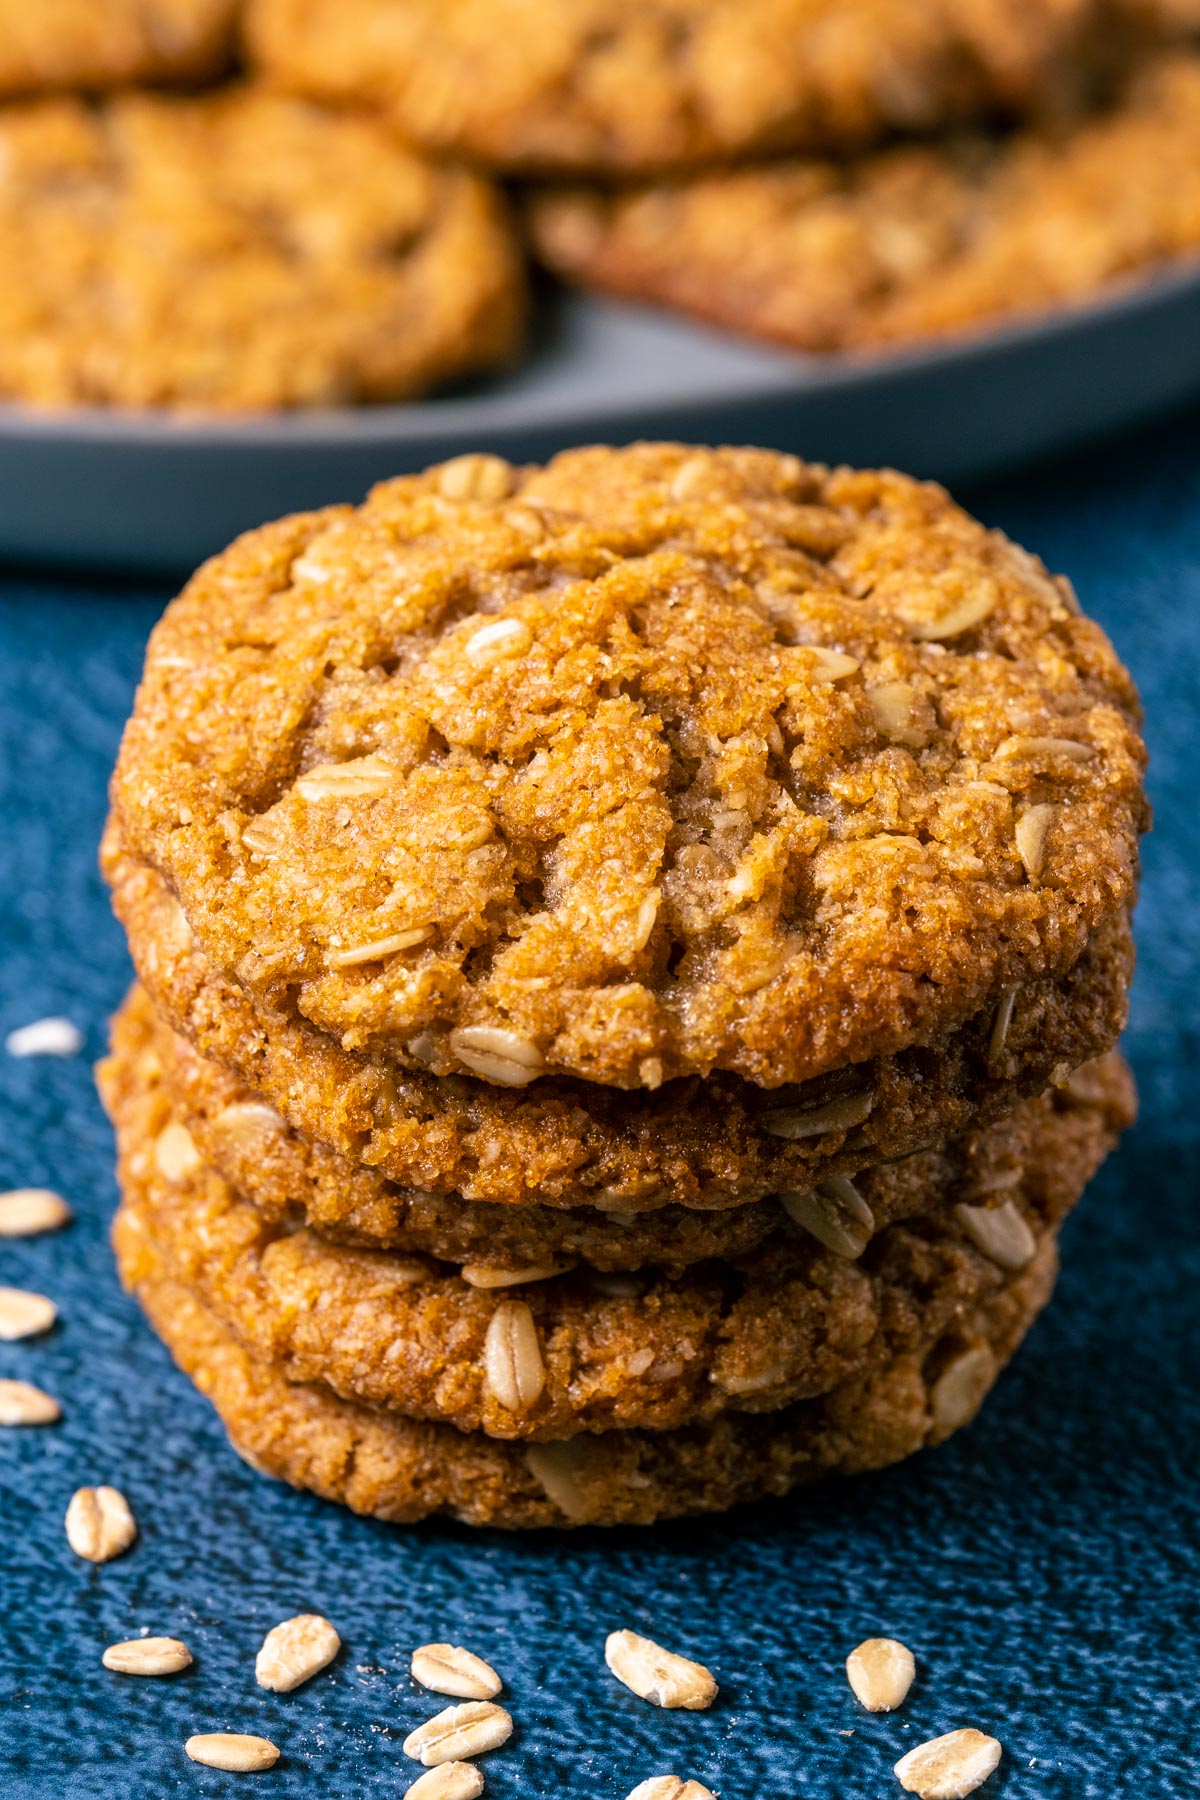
x: 599, y: 86
x: 52, y: 44
x: 911, y: 242
x: 240, y: 251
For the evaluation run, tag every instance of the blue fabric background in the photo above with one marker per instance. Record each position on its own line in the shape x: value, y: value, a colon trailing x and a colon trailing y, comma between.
x: 1043, y: 1567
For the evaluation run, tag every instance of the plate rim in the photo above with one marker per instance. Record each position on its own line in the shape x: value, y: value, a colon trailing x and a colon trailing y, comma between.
x: 796, y: 375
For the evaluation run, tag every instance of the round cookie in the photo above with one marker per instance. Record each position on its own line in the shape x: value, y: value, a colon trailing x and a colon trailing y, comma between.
x: 567, y: 1143
x: 652, y: 763
x: 908, y: 243
x: 240, y: 251
x: 602, y: 86
x: 105, y: 43
x: 1057, y: 1138
x: 556, y: 1357
x: 402, y: 1470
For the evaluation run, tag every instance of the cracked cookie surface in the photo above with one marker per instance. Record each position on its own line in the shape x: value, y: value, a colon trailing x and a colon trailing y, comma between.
x: 655, y: 762
x: 240, y: 251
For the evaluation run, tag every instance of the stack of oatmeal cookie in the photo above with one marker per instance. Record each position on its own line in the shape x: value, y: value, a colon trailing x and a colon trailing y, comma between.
x: 630, y: 955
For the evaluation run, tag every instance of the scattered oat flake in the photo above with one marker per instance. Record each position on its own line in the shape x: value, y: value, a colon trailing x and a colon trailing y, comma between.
x: 658, y: 1675
x: 448, y: 1669
x: 458, y: 1733
x: 45, y: 1037
x: 294, y: 1651
x: 949, y: 1767
x: 23, y: 1404
x: 24, y: 1315
x: 148, y: 1656
x: 100, y: 1524
x: 670, y: 1787
x: 234, y: 1751
x: 448, y: 1781
x: 881, y: 1671
x: 26, y: 1212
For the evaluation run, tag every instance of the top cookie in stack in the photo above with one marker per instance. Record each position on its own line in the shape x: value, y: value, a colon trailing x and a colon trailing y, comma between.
x: 551, y: 866
x: 647, y: 765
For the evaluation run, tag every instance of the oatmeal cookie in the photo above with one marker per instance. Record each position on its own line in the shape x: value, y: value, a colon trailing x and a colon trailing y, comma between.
x: 240, y: 251
x: 908, y: 243
x: 401, y: 1469
x: 543, y: 1359
x: 600, y: 86
x: 652, y: 763
x: 103, y: 43
x: 566, y: 1143
x: 1055, y: 1141
x: 1156, y: 20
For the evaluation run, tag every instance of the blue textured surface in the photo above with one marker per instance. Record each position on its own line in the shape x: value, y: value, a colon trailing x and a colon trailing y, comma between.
x: 1044, y: 1566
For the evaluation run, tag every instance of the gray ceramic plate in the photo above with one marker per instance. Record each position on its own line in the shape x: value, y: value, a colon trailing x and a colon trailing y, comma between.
x: 145, y: 492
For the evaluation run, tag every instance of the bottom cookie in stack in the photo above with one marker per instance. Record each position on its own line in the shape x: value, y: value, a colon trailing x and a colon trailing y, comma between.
x: 392, y: 1382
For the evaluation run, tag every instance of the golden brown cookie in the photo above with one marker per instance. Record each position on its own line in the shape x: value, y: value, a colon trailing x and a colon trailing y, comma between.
x: 652, y: 763
x: 402, y: 1470
x: 104, y: 43
x: 1054, y: 1141
x: 240, y: 251
x: 602, y: 86
x: 1154, y: 20
x: 907, y: 243
x: 569, y: 1143
x: 825, y: 1299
